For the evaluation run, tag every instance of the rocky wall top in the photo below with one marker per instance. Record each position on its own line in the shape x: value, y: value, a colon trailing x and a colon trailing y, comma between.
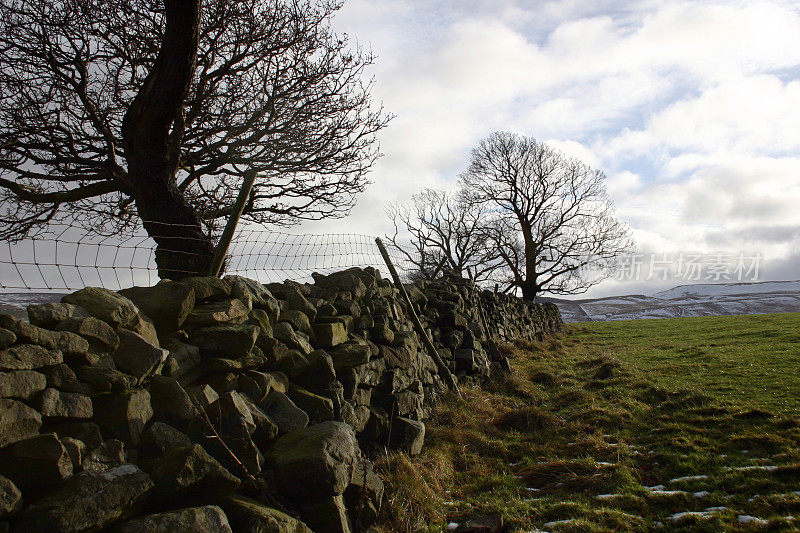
x: 226, y: 405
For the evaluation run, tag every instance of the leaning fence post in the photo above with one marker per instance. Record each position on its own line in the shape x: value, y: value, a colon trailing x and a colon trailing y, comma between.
x: 230, y: 227
x: 443, y: 370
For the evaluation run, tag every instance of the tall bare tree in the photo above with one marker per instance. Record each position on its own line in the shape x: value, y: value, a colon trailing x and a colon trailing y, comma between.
x: 551, y: 219
x: 122, y: 111
x: 441, y: 226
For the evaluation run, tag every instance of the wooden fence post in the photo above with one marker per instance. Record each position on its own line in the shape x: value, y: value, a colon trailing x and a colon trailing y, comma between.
x: 230, y: 227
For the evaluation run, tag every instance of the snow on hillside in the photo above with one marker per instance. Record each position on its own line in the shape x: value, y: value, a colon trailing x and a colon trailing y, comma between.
x: 704, y: 299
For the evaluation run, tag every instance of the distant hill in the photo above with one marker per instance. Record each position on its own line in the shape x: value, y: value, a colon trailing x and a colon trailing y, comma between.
x: 702, y: 299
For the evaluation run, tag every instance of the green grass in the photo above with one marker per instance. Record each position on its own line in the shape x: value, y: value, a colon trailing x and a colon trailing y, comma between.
x: 607, y: 410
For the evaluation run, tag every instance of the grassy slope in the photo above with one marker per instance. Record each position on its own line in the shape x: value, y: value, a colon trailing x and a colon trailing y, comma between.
x: 608, y: 410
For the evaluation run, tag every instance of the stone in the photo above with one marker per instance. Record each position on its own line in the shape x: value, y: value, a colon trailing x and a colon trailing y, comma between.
x: 100, y: 335
x: 364, y: 482
x: 314, y: 462
x: 251, y: 516
x: 137, y: 356
x: 7, y: 338
x: 234, y: 423
x: 319, y: 408
x: 216, y: 313
x: 319, y: 372
x: 124, y: 415
x: 22, y: 384
x: 248, y: 289
x: 297, y: 319
x: 408, y: 403
x: 207, y: 519
x: 252, y: 388
x: 17, y: 422
x: 349, y: 355
x: 371, y: 373
x: 260, y: 318
x: 296, y: 301
x: 347, y: 306
x: 88, y: 502
x: 62, y: 341
x: 105, y: 305
x: 158, y: 439
x: 266, y: 430
x: 28, y: 357
x: 408, y: 434
x: 86, y: 432
x: 182, y: 359
x: 146, y: 328
x: 465, y: 359
x: 382, y: 334
x: 280, y: 381
x: 284, y: 413
x: 58, y: 404
x: 295, y: 340
x: 76, y: 449
x: 208, y: 288
x: 229, y: 340
x: 273, y: 349
x: 188, y: 472
x: 37, y: 462
x: 105, y: 379
x: 167, y: 304
x: 357, y: 416
x: 327, y: 514
x: 294, y: 364
x: 48, y: 315
x: 202, y: 396
x: 170, y: 402
x: 330, y: 335
x: 483, y: 524
x: 110, y: 454
x: 10, y: 498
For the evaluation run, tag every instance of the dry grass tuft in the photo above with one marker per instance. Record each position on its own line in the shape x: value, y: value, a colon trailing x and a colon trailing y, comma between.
x: 528, y: 418
x: 573, y: 475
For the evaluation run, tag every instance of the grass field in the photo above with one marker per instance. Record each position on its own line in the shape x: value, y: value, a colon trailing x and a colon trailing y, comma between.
x: 688, y: 424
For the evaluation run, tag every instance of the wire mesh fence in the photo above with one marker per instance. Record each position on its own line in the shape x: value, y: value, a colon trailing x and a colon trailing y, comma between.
x: 70, y: 259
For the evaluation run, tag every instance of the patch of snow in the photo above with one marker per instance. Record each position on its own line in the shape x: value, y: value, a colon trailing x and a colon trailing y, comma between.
x: 716, y: 509
x: 688, y: 478
x: 701, y: 494
x: 655, y: 487
x: 668, y: 492
x: 765, y: 468
x: 702, y: 515
x: 606, y: 496
x: 747, y: 519
x: 452, y: 526
x: 555, y: 523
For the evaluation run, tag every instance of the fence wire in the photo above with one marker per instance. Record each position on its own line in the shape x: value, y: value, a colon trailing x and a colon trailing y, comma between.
x: 70, y: 260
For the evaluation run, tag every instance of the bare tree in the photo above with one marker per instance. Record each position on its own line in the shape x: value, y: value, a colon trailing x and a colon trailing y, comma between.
x: 150, y: 111
x: 552, y: 219
x: 441, y: 226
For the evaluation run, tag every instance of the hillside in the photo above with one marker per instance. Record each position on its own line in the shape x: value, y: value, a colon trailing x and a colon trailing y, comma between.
x: 703, y: 299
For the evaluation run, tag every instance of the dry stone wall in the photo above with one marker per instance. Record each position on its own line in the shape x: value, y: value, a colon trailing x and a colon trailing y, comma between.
x: 226, y: 405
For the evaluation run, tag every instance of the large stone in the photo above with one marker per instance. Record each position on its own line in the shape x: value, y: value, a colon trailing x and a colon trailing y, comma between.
x: 10, y: 498
x: 319, y: 408
x: 330, y: 335
x: 76, y: 449
x: 110, y: 454
x: 295, y: 340
x: 284, y: 413
x: 207, y: 519
x: 347, y: 306
x: 234, y: 424
x: 266, y: 430
x: 7, y: 338
x: 62, y: 341
x: 408, y: 434
x: 319, y: 372
x: 294, y: 364
x: 251, y: 516
x: 349, y: 280
x: 327, y: 515
x: 137, y: 356
x: 230, y: 340
x: 17, y: 422
x: 22, y: 384
x: 208, y: 287
x: 262, y: 298
x: 105, y: 305
x: 364, y: 484
x: 48, y: 315
x: 100, y: 335
x: 158, y: 439
x: 167, y: 303
x: 315, y: 462
x: 202, y: 396
x: 216, y: 313
x: 59, y: 404
x: 349, y: 355
x: 37, y: 462
x: 144, y: 327
x: 28, y: 357
x: 88, y: 502
x: 105, y: 379
x: 124, y: 415
x: 295, y: 301
x: 170, y: 402
x: 86, y: 432
x: 188, y: 472
x: 297, y: 319
x: 182, y: 359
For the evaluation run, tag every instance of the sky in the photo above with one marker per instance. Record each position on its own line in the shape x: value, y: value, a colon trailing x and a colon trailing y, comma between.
x: 691, y: 108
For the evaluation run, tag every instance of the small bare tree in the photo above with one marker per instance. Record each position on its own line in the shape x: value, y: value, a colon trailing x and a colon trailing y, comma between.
x: 440, y: 226
x: 551, y: 218
x: 124, y: 112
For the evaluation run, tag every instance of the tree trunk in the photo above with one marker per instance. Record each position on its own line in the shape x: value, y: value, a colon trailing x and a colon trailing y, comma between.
x: 152, y: 131
x: 529, y: 290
